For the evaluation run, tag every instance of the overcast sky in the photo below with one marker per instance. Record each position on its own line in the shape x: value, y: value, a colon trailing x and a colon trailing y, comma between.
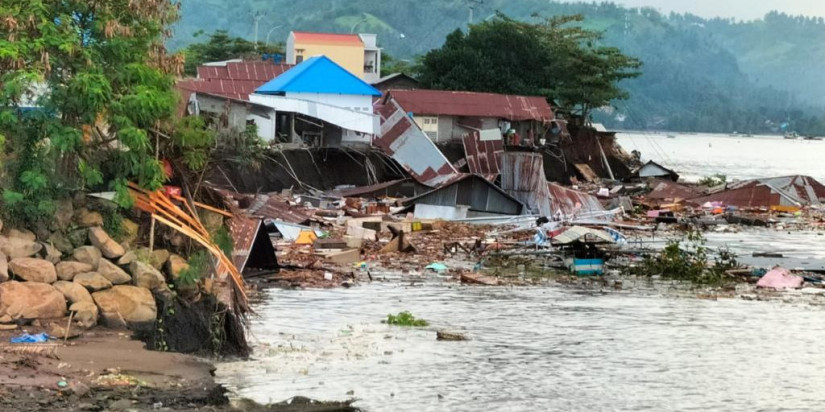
x: 740, y: 9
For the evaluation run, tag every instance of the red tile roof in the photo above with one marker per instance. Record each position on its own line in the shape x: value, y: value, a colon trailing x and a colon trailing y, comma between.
x: 327, y: 38
x: 472, y: 104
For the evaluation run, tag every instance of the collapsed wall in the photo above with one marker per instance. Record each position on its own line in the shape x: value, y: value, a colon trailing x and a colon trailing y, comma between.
x: 582, y: 148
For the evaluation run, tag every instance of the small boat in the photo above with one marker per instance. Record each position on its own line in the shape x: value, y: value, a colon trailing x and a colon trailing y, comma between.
x: 813, y: 138
x: 791, y: 136
x: 671, y: 136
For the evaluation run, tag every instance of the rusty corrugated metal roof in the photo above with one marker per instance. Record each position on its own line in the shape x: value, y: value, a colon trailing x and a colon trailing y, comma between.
x: 483, y: 157
x: 522, y: 176
x: 401, y: 139
x: 794, y: 190
x: 572, y: 202
x: 243, y: 230
x: 668, y: 190
x: 236, y: 80
x: 472, y: 104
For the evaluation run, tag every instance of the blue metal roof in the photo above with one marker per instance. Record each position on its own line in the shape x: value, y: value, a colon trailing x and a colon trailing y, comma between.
x: 318, y: 75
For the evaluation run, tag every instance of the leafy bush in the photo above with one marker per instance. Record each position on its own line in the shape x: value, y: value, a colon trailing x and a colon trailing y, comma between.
x: 687, y: 260
x: 713, y: 180
x: 405, y: 319
x: 224, y: 240
x: 199, y: 264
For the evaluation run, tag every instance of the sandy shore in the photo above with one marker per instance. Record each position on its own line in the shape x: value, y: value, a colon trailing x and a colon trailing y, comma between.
x: 102, y: 370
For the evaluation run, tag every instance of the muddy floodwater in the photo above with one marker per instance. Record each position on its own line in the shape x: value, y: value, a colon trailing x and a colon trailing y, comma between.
x: 533, y: 349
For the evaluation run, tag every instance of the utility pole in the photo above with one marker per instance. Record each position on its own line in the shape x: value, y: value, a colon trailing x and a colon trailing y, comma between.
x: 472, y: 5
x: 257, y: 17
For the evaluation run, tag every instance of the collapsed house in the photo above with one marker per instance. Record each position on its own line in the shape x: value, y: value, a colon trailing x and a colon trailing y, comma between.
x: 653, y: 169
x: 787, y: 193
x: 466, y: 196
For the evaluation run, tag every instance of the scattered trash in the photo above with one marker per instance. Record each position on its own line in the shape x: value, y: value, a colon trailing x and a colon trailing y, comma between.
x: 436, y: 267
x: 780, y: 278
x: 450, y: 336
x: 327, y: 276
x: 26, y: 338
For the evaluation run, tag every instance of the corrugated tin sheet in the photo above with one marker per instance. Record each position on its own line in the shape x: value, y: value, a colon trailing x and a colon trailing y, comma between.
x: 474, y: 191
x: 584, y: 234
x: 260, y: 71
x: 243, y: 231
x: 483, y: 157
x: 471, y: 104
x: 236, y: 80
x: 763, y: 193
x: 522, y: 176
x: 391, y: 188
x: 401, y: 139
x: 667, y: 190
x: 271, y: 207
x: 572, y: 202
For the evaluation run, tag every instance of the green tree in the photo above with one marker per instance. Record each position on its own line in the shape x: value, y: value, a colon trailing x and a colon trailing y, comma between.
x: 556, y: 58
x: 221, y: 46
x: 100, y: 81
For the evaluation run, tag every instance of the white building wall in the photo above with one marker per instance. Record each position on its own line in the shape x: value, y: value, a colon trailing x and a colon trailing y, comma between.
x: 343, y: 117
x: 347, y: 101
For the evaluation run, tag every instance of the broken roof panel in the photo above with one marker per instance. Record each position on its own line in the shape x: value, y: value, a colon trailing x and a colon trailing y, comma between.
x: 483, y: 156
x: 472, y: 104
x: 392, y: 188
x: 764, y: 193
x: 522, y: 176
x: 581, y: 233
x: 252, y: 247
x: 663, y: 189
x: 401, y: 139
x: 572, y: 202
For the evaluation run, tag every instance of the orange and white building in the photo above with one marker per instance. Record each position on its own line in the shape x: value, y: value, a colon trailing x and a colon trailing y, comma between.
x: 358, y: 53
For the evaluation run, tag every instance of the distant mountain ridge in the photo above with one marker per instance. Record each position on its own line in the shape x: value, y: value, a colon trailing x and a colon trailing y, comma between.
x: 712, y: 75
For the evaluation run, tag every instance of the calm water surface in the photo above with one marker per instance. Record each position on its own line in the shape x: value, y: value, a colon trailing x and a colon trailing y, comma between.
x: 738, y: 157
x: 534, y: 349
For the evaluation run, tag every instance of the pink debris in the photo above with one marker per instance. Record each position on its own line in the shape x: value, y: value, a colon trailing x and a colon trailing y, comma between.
x: 779, y: 278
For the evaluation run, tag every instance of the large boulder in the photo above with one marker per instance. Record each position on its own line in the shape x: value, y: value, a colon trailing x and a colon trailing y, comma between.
x: 85, y: 313
x: 92, y: 281
x: 127, y: 259
x: 30, y: 300
x: 175, y: 265
x: 61, y: 242
x: 33, y: 270
x: 24, y: 234
x: 88, y: 254
x: 159, y: 258
x: 16, y: 247
x: 146, y: 276
x: 101, y: 240
x: 130, y: 231
x: 78, y: 237
x: 115, y: 274
x: 86, y: 218
x: 126, y: 306
x: 74, y: 292
x: 4, y: 268
x: 66, y: 270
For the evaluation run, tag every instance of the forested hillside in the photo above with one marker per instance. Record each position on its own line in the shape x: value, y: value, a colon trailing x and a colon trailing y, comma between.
x: 699, y: 75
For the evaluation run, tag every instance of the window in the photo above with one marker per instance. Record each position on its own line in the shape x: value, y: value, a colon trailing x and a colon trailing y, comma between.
x: 299, y: 59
